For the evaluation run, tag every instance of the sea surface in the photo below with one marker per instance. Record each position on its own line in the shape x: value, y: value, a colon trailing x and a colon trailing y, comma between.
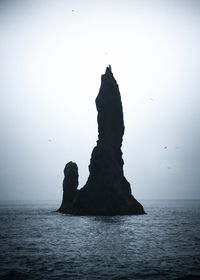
x: 38, y: 243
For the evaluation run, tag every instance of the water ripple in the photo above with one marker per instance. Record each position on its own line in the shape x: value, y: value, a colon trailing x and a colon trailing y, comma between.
x: 38, y: 243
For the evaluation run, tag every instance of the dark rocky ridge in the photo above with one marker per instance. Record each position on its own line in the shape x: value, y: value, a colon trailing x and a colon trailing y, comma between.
x: 106, y: 192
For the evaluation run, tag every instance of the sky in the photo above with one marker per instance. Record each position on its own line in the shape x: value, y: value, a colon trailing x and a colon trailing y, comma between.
x: 53, y: 54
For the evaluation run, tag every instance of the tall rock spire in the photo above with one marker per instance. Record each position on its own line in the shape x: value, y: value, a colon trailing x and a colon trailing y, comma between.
x: 110, y: 114
x: 107, y: 192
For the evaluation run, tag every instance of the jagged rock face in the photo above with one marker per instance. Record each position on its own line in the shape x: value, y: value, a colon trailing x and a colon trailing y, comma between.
x: 70, y: 184
x: 107, y: 192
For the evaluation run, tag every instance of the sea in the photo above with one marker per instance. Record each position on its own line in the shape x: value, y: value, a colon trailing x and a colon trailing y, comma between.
x: 36, y: 242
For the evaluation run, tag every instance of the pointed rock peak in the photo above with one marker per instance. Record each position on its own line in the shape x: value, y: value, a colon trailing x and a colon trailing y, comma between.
x: 108, y: 76
x: 108, y: 70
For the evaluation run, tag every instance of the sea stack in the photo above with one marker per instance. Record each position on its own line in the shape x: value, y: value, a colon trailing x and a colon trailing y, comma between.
x: 70, y: 185
x: 106, y: 192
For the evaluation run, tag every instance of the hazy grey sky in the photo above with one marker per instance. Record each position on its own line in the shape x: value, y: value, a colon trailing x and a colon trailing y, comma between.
x: 52, y: 54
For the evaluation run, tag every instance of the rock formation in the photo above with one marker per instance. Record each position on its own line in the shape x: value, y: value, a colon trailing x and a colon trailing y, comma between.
x: 106, y: 192
x: 70, y: 184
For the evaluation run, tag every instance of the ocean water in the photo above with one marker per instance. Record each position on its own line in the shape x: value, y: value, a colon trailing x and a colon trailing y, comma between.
x: 38, y: 243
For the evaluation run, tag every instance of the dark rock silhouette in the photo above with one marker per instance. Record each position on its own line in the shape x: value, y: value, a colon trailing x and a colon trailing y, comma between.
x: 70, y: 184
x: 106, y: 192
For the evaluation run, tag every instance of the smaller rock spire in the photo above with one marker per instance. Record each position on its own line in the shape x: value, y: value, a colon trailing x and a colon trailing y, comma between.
x: 70, y: 184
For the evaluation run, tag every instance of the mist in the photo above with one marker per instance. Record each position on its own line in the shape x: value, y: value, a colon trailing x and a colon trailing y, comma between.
x: 52, y: 56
